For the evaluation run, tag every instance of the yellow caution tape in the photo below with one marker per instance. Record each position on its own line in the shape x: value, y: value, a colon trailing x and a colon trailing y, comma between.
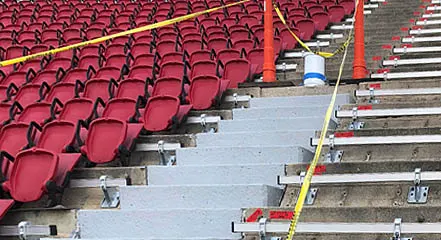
x: 125, y: 33
x: 323, y: 54
x: 307, y: 180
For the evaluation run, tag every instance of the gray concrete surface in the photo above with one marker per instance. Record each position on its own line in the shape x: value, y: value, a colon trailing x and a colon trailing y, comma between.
x: 242, y: 155
x: 199, y: 196
x: 278, y: 112
x: 217, y: 174
x: 250, y: 139
x: 151, y: 224
x: 298, y: 101
x: 273, y: 124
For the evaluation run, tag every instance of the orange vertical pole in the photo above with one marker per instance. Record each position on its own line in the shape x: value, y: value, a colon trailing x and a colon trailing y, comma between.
x: 269, y: 68
x: 359, y: 64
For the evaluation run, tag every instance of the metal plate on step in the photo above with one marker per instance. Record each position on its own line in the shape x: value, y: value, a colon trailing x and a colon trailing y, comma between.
x: 418, y: 194
x: 310, y: 198
x: 334, y: 156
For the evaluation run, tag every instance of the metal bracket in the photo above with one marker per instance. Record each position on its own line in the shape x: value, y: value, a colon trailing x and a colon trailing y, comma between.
x: 397, y: 231
x: 205, y: 129
x: 355, y: 125
x: 111, y: 195
x: 417, y: 193
x: 312, y: 192
x: 333, y: 156
x: 372, y: 96
x: 284, y: 70
x: 262, y: 228
x: 166, y: 158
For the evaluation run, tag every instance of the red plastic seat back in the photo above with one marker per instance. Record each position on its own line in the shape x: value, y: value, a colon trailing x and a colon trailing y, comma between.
x: 110, y: 131
x: 203, y: 68
x: 141, y: 72
x: 131, y: 88
x: 61, y: 91
x: 237, y: 71
x: 159, y: 112
x: 337, y: 13
x: 167, y: 86
x: 28, y: 94
x: 120, y: 108
x: 56, y: 136
x: 172, y: 69
x: 227, y: 55
x: 97, y: 88
x: 199, y: 56
x: 217, y: 44
x: 76, y: 109
x: 13, y: 137
x: 203, y: 90
x: 37, y: 112
x: 32, y: 169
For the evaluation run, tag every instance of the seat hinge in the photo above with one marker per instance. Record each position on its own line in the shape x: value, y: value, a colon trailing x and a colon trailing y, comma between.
x: 312, y: 192
x: 355, y: 125
x: 372, y: 96
x: 418, y: 194
x: 111, y: 194
x: 397, y: 231
x: 333, y: 156
x: 166, y: 158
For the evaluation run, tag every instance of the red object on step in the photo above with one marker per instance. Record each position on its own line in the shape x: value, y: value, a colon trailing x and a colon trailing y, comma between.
x: 386, y: 47
x: 394, y: 57
x: 396, y: 38
x: 375, y: 85
x: 286, y: 215
x: 364, y: 107
x: 377, y: 58
x: 253, y: 217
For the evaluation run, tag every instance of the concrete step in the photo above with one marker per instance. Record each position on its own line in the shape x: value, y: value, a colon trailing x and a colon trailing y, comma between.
x: 223, y: 174
x: 159, y: 224
x: 199, y: 196
x: 279, y: 112
x: 242, y: 155
x: 273, y: 124
x: 298, y: 101
x: 250, y: 139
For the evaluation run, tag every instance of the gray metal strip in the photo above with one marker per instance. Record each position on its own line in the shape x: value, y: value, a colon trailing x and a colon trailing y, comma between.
x: 434, y: 8
x: 409, y: 139
x: 238, y: 98
x: 425, y: 31
x: 286, y: 67
x: 31, y: 230
x: 432, y: 15
x: 411, y: 61
x: 363, y: 178
x: 208, y: 119
x: 414, y: 39
x: 317, y: 227
x: 398, y: 92
x: 428, y: 22
x: 92, y: 183
x: 329, y: 36
x: 148, y: 147
x: 425, y: 74
x: 371, y: 6
x: 318, y: 44
x: 417, y: 49
x: 396, y: 112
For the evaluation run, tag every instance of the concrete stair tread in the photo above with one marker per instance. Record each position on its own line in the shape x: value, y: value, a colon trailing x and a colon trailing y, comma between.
x: 198, y: 195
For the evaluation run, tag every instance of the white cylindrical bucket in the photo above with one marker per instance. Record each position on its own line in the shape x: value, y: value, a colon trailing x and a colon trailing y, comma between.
x: 314, y: 70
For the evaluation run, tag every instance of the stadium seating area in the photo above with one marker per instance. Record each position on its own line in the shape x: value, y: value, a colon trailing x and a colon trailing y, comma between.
x: 59, y: 109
